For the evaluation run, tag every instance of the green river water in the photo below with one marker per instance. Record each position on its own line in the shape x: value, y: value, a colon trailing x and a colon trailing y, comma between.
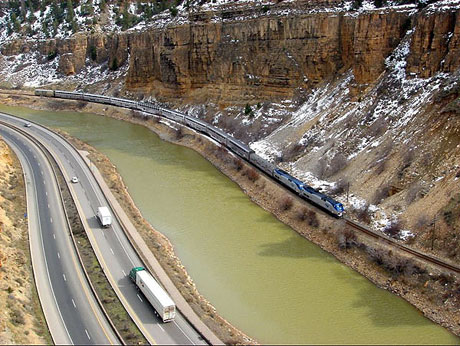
x: 260, y: 275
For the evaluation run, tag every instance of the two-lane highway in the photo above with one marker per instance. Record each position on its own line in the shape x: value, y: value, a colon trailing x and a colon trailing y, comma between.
x: 71, y: 311
x: 111, y: 245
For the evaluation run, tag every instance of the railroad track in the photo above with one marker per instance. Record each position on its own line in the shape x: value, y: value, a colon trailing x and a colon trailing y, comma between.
x: 428, y: 258
x: 421, y: 255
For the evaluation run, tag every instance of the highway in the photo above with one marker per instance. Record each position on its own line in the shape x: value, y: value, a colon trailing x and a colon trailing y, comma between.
x: 111, y: 245
x: 71, y: 311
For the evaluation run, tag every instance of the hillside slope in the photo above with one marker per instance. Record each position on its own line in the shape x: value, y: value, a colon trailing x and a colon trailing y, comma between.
x: 358, y: 96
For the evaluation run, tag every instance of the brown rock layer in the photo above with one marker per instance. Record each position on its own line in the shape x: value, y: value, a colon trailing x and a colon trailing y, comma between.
x: 266, y: 57
x: 435, y: 45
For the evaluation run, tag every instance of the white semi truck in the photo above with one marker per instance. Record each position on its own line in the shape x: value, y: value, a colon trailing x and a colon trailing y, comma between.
x: 154, y: 293
x: 103, y: 214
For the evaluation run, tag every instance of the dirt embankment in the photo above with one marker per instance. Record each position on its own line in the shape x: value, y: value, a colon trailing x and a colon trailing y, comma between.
x: 435, y: 293
x: 22, y: 320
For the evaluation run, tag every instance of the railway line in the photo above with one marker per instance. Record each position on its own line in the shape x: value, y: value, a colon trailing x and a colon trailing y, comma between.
x: 423, y: 256
x: 305, y: 192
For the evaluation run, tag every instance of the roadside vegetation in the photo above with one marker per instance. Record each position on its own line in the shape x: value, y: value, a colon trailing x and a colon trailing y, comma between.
x: 21, y: 316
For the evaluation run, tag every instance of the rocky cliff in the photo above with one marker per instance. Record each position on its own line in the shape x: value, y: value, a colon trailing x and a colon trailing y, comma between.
x: 233, y: 57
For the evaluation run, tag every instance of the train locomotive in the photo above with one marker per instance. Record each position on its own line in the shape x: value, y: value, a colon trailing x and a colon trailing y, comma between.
x: 242, y: 150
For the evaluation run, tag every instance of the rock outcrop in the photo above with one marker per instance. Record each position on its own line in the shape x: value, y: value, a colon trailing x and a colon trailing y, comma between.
x: 264, y: 56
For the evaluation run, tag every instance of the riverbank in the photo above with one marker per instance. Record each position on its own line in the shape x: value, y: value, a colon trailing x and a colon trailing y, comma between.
x: 271, y: 197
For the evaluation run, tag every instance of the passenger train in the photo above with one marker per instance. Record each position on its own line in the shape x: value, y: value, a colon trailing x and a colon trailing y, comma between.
x: 303, y: 190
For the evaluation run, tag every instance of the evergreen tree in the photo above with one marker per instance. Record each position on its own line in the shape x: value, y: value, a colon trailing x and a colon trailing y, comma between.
x: 247, y: 109
x: 9, y: 31
x: 148, y: 12
x: 114, y: 65
x: 102, y: 5
x: 126, y: 20
x: 56, y: 12
x: 23, y: 9
x: 74, y: 26
x: 45, y: 29
x: 16, y: 24
x: 173, y: 10
x: 70, y: 12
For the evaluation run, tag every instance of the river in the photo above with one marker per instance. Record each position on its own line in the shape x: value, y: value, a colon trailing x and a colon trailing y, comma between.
x: 259, y: 274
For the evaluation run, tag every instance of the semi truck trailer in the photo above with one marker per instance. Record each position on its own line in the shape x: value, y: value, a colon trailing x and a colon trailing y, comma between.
x: 155, y: 294
x: 104, y: 217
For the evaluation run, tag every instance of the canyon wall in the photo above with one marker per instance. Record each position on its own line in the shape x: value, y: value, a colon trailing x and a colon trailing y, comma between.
x: 264, y: 58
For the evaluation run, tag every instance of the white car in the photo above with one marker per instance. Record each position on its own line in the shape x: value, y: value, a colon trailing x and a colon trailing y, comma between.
x: 74, y: 180
x: 27, y: 125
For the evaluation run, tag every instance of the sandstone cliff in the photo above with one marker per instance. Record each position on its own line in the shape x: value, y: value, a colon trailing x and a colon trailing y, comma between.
x: 230, y: 59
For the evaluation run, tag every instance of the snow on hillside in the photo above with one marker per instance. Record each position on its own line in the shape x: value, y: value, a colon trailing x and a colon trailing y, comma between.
x: 41, y: 24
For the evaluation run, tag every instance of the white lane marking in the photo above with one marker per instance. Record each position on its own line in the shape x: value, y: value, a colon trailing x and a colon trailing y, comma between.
x: 161, y: 327
x: 48, y: 206
x: 35, y: 158
x: 112, y: 251
x: 123, y: 272
x: 59, y: 256
x: 39, y: 163
x: 51, y: 219
x: 73, y: 302
x: 44, y: 183
x: 46, y: 193
x: 65, y: 279
x: 89, y: 338
x: 41, y: 172
x: 138, y: 296
x: 183, y: 332
x: 54, y: 236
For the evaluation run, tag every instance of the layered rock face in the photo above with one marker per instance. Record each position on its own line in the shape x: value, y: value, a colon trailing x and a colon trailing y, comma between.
x: 263, y: 57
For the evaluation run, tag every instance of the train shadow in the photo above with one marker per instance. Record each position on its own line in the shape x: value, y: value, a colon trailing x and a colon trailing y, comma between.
x: 295, y: 246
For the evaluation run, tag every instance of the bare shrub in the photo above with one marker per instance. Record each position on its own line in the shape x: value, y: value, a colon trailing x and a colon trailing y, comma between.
x: 393, y: 229
x: 381, y: 194
x: 221, y: 152
x: 252, y: 174
x: 376, y: 255
x: 396, y: 266
x: 309, y: 216
x: 302, y: 214
x: 407, y: 160
x: 338, y: 163
x: 320, y: 168
x: 363, y: 214
x: 378, y: 128
x: 458, y: 174
x: 293, y: 152
x: 413, y: 192
x: 422, y: 222
x: 238, y: 164
x: 81, y: 104
x: 286, y: 203
x: 346, y: 239
x: 179, y: 133
x: 17, y: 317
x: 386, y: 150
x: 381, y: 165
x: 340, y: 187
x: 312, y: 219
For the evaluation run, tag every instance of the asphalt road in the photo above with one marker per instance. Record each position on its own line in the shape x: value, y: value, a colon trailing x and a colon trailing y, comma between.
x: 71, y: 311
x: 111, y: 245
